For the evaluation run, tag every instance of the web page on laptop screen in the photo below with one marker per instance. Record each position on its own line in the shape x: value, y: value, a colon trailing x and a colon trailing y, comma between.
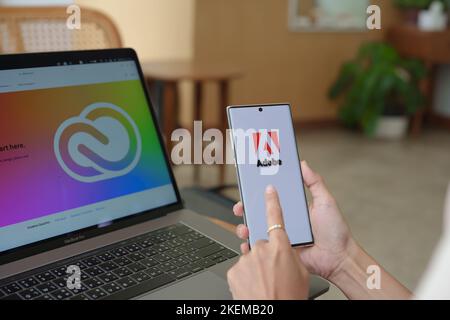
x: 78, y: 148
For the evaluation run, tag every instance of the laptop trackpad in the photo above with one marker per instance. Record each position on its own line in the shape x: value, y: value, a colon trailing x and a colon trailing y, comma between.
x: 205, y: 286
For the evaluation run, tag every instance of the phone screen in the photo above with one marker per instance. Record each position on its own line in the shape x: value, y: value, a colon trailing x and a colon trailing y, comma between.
x: 266, y: 153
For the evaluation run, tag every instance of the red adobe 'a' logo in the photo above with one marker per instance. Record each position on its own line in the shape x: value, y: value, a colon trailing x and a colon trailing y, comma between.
x: 269, y: 139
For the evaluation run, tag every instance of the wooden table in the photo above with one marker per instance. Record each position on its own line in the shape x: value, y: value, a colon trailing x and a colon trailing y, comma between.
x: 434, y: 49
x: 171, y: 73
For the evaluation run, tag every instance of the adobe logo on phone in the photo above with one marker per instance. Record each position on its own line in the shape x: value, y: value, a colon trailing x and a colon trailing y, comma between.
x: 266, y: 144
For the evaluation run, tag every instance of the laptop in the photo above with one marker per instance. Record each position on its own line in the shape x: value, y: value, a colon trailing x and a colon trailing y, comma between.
x: 89, y: 205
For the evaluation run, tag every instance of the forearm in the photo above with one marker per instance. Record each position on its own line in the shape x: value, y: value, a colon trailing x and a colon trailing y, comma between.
x: 352, y: 278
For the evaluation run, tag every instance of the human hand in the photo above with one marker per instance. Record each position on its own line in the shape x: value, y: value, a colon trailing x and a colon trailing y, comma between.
x: 333, y: 242
x: 272, y: 270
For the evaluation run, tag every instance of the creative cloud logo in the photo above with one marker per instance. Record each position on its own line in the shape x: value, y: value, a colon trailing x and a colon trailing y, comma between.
x: 266, y: 144
x: 103, y: 142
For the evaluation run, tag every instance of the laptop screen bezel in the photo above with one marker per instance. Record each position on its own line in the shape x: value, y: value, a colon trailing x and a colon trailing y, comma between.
x: 47, y: 59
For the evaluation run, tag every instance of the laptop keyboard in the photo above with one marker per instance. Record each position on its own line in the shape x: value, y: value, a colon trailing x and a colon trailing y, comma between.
x: 122, y: 270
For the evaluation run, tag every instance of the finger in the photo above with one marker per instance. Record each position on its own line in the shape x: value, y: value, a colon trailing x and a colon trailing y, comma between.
x: 274, y: 215
x: 315, y: 184
x: 298, y: 251
x: 302, y: 254
x: 230, y: 279
x: 273, y: 207
x: 260, y: 243
x: 245, y: 248
x: 242, y: 232
x: 238, y: 209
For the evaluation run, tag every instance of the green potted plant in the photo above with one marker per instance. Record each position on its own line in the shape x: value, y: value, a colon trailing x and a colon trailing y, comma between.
x: 379, y: 90
x: 411, y: 8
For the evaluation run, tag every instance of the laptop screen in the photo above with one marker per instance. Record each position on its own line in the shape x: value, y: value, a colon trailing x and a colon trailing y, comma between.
x: 78, y: 148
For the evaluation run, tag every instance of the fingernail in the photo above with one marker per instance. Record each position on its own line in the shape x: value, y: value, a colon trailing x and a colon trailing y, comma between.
x: 270, y: 189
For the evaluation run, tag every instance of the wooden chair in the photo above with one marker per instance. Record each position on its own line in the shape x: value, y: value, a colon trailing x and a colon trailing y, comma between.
x: 37, y: 29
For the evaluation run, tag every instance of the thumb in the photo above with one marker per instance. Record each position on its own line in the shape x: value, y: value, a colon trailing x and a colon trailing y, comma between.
x: 315, y: 184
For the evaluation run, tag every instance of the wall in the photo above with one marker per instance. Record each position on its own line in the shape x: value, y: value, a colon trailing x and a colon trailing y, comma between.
x: 279, y: 65
x: 35, y: 2
x: 157, y: 29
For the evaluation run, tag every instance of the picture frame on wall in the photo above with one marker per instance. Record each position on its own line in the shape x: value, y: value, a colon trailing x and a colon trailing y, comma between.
x: 327, y: 15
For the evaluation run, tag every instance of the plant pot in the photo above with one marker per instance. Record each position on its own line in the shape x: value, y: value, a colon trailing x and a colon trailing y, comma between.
x: 392, y: 127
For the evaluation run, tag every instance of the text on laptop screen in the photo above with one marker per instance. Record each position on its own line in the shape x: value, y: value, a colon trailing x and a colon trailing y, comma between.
x: 78, y: 148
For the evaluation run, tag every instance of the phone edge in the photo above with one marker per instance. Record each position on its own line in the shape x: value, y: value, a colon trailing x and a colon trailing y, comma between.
x: 228, y: 108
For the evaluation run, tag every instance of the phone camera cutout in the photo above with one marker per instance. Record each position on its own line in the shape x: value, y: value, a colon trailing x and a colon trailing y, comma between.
x: 260, y: 109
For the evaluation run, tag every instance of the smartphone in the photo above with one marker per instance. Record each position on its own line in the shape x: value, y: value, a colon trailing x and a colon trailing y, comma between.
x: 265, y: 152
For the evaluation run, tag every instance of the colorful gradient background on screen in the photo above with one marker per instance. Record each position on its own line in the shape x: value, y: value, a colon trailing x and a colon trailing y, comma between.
x: 37, y: 186
x: 90, y: 154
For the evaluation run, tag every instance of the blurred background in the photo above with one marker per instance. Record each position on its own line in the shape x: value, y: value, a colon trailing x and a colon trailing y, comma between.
x: 371, y: 107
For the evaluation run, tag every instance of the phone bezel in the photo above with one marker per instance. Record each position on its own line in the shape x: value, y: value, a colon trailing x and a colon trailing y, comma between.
x: 257, y: 107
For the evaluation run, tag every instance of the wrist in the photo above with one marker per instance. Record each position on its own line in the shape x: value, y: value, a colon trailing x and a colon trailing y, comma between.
x: 351, y: 277
x: 350, y: 264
